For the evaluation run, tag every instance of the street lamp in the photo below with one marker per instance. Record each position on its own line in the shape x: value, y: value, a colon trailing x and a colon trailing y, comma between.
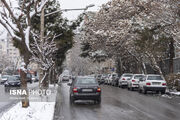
x: 66, y: 10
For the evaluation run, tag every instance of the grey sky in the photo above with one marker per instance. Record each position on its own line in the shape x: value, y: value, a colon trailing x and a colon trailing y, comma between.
x: 65, y: 4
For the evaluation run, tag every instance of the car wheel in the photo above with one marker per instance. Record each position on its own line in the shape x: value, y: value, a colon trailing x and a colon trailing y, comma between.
x: 98, y: 101
x: 163, y: 92
x: 144, y: 91
x: 131, y: 88
x: 128, y: 88
x: 139, y: 90
x: 71, y: 100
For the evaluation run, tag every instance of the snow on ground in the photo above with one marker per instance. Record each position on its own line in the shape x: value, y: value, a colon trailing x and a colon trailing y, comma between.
x: 175, y: 93
x: 42, y: 108
x: 36, y: 111
x: 166, y: 96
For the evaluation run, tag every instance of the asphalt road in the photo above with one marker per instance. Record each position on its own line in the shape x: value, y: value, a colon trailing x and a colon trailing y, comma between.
x: 118, y: 104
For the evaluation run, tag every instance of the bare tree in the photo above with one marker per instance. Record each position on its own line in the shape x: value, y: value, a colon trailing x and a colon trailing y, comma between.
x: 16, y: 19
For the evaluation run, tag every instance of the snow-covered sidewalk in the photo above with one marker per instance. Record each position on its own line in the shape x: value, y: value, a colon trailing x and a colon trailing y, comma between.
x: 175, y: 93
x: 36, y: 111
x: 40, y: 109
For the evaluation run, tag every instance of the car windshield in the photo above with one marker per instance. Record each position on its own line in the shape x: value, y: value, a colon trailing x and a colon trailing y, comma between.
x: 86, y: 81
x: 138, y: 76
x: 13, y: 79
x: 127, y: 75
x: 5, y: 76
x: 114, y: 75
x: 17, y: 76
x: 154, y: 78
x: 28, y: 75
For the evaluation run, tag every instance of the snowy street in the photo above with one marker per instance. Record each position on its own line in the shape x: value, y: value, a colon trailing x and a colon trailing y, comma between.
x: 90, y: 60
x: 118, y: 104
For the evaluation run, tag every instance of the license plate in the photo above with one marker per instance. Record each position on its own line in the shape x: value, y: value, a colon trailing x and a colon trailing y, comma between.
x: 87, y: 90
x: 156, y: 83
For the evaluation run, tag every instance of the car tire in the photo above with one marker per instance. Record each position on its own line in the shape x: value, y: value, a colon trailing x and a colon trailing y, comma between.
x: 163, y: 91
x: 72, y: 100
x: 98, y: 101
x: 144, y: 91
x: 131, y: 88
x: 139, y: 90
x: 128, y: 88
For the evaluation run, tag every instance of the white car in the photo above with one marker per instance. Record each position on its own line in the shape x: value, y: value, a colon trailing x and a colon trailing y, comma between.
x: 134, y: 81
x: 152, y: 82
x: 124, y: 79
x: 107, y: 79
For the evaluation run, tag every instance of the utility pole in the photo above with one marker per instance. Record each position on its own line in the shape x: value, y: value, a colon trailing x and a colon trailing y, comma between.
x: 42, y: 42
x: 42, y: 33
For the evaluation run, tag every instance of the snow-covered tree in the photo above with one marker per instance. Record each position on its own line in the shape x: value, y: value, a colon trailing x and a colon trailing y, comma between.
x: 119, y: 23
x: 16, y: 19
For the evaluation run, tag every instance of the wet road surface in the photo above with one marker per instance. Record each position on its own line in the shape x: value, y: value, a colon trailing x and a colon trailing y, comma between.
x: 117, y: 104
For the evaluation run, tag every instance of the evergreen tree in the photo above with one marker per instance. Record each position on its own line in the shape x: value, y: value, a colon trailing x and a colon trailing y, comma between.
x: 57, y: 25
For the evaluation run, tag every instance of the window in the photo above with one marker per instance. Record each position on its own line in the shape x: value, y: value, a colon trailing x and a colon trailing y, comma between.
x: 154, y: 78
x: 86, y: 81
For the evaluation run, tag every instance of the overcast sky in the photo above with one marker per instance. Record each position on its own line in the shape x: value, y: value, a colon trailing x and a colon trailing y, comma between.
x: 65, y: 4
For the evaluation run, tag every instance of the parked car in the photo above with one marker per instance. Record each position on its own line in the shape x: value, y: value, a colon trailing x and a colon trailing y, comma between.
x: 114, y: 79
x: 107, y: 79
x: 12, y: 81
x: 103, y: 78
x: 4, y: 78
x: 17, y: 76
x: 124, y: 79
x: 134, y: 81
x: 35, y: 78
x: 65, y: 78
x: 152, y: 82
x: 85, y: 88
x: 29, y: 77
x: 98, y: 78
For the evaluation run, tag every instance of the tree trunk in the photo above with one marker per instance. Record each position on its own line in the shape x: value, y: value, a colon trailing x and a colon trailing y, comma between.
x: 171, y: 56
x: 45, y: 83
x: 144, y: 68
x: 25, y: 100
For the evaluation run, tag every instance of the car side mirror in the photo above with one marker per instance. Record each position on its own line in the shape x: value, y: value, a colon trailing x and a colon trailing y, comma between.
x: 69, y: 84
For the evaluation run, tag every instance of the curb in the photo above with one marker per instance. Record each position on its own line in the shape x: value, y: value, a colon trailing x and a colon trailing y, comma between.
x: 172, y: 94
x: 58, y: 103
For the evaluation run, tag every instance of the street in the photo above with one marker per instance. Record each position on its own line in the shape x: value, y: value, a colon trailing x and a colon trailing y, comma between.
x: 5, y: 102
x: 117, y: 104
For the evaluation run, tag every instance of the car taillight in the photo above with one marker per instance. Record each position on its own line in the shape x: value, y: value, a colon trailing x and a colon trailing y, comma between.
x: 164, y: 84
x: 123, y: 79
x: 148, y: 83
x: 75, y: 90
x: 98, y: 89
x: 133, y: 81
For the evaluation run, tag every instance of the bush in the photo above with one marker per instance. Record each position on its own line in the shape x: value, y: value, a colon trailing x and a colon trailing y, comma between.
x: 173, y: 81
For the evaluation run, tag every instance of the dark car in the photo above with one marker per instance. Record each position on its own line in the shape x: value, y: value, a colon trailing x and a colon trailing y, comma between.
x: 17, y: 76
x: 29, y: 77
x: 85, y: 88
x: 12, y: 81
x: 4, y: 79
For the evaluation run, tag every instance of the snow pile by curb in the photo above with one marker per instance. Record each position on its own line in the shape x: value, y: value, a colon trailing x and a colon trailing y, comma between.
x: 175, y: 93
x: 36, y: 111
